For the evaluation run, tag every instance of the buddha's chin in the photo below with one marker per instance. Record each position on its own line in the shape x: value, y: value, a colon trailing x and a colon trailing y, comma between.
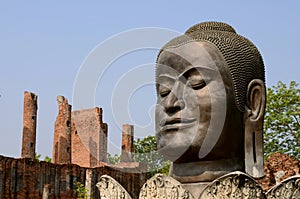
x: 172, y: 149
x: 171, y: 154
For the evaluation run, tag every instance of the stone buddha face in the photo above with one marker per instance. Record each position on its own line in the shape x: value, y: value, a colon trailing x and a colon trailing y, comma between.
x: 196, y: 116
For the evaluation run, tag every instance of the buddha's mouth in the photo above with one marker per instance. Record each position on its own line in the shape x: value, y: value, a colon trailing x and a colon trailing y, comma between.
x: 176, y: 123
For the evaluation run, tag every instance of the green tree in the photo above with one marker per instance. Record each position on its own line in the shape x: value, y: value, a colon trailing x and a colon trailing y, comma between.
x: 81, y: 191
x: 145, y: 150
x: 282, y: 120
x: 113, y: 159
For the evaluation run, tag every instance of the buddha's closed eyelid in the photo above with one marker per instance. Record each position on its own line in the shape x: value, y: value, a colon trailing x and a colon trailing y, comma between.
x: 163, y: 91
x: 196, y: 83
x: 193, y: 78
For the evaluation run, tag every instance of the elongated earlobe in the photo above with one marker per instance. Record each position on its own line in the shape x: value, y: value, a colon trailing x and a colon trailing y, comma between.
x: 253, y: 117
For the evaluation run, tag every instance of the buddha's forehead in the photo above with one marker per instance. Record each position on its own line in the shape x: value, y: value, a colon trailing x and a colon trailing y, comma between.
x: 178, y: 59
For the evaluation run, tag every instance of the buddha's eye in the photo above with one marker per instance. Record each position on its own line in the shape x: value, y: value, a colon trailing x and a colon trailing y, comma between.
x: 163, y: 91
x: 196, y: 82
x: 194, y: 79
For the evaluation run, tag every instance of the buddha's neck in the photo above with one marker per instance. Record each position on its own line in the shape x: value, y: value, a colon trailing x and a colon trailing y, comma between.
x: 204, y: 171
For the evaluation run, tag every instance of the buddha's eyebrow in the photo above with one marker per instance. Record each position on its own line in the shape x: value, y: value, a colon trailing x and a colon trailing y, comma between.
x: 198, y: 68
x: 185, y: 72
x: 167, y: 76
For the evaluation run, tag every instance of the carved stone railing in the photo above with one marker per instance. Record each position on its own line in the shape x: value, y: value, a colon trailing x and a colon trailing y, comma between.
x: 289, y: 188
x: 110, y: 188
x: 232, y: 185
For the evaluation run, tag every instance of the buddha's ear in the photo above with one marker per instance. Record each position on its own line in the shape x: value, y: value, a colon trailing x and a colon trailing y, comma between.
x: 253, y: 118
x: 256, y: 100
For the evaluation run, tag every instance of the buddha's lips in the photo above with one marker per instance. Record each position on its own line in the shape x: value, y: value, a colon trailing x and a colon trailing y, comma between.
x: 176, y: 123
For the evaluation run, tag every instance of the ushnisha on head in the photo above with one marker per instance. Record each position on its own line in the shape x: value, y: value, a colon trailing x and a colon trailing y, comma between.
x: 210, y: 103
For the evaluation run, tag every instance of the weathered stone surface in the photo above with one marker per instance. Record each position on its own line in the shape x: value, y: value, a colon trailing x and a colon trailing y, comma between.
x: 110, y: 188
x: 287, y: 189
x: 61, y: 153
x: 29, y: 125
x: 278, y: 167
x: 127, y: 143
x: 233, y: 185
x: 89, y: 138
x: 161, y: 186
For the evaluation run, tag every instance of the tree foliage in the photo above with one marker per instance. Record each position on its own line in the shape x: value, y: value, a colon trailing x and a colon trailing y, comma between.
x: 48, y: 159
x: 282, y: 120
x: 145, y: 150
x: 38, y: 156
x: 113, y: 159
x: 81, y: 191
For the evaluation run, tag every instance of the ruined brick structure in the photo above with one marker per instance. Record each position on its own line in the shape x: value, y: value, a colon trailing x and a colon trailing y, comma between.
x: 88, y: 138
x: 279, y: 167
x: 29, y: 125
x: 27, y: 179
x: 62, y: 133
x: 79, y: 155
x: 80, y: 137
x: 127, y: 143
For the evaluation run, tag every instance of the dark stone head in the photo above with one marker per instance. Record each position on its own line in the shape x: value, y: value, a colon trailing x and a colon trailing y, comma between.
x: 211, y: 92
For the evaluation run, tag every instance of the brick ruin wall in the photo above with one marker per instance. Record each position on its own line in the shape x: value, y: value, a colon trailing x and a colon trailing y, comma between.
x: 79, y: 155
x: 29, y: 125
x: 80, y: 137
x: 62, y: 133
x: 278, y: 167
x: 88, y: 138
x: 27, y: 178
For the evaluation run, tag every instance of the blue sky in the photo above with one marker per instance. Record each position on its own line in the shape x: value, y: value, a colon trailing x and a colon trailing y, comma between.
x: 43, y: 46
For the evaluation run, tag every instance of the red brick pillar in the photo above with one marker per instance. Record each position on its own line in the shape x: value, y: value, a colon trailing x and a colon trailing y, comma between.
x: 29, y: 125
x: 62, y: 133
x: 103, y: 142
x: 127, y: 143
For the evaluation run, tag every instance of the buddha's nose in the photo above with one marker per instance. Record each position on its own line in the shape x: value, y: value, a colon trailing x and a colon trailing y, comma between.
x: 174, y: 103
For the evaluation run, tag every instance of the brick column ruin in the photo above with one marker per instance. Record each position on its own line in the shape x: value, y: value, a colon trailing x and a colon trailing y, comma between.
x: 62, y: 133
x: 29, y: 125
x: 103, y: 142
x: 89, y: 138
x: 127, y: 143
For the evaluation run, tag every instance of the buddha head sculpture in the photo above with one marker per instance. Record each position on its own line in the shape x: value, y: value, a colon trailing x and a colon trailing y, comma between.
x: 210, y: 103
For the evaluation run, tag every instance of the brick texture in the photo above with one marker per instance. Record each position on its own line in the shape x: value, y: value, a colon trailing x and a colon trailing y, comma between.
x: 127, y: 143
x: 62, y: 133
x: 26, y: 178
x: 279, y: 167
x: 29, y: 125
x: 89, y: 138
